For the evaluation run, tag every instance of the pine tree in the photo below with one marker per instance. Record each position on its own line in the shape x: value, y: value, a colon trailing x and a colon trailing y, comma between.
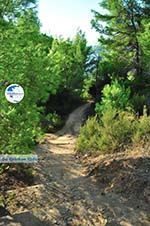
x: 119, y: 30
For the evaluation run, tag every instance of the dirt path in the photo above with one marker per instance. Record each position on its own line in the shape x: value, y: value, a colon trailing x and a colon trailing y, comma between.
x: 64, y: 195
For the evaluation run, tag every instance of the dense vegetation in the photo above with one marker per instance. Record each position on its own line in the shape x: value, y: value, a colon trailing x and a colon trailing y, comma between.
x: 125, y: 102
x: 42, y: 65
x: 49, y: 68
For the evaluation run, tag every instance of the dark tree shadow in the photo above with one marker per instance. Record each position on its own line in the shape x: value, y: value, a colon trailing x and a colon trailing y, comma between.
x: 23, y: 219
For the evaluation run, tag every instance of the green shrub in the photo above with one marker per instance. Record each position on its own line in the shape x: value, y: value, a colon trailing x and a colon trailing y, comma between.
x: 113, y: 132
x: 89, y: 136
x: 19, y: 129
x: 142, y: 131
x: 54, y: 122
x: 114, y: 96
x: 87, y: 84
x: 116, y: 130
x: 138, y: 102
x: 115, y: 124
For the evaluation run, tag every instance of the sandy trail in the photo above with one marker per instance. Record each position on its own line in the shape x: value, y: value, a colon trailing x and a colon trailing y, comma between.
x: 65, y: 196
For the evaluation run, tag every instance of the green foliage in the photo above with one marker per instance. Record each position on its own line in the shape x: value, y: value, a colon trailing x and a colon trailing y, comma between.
x: 87, y: 84
x: 144, y: 38
x: 124, y: 33
x: 13, y: 9
x: 116, y: 130
x: 142, y: 132
x: 68, y: 59
x: 45, y: 67
x: 114, y: 96
x: 112, y: 133
x: 89, y: 136
x: 138, y: 101
x: 54, y: 122
x: 23, y: 60
x: 41, y: 65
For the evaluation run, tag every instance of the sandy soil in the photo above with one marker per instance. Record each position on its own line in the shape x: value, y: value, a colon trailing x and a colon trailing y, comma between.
x: 67, y: 192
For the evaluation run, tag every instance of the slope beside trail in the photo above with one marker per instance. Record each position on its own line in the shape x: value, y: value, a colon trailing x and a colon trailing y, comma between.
x: 64, y: 195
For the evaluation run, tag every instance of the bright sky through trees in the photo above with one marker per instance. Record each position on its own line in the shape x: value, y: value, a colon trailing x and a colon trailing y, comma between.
x: 64, y: 17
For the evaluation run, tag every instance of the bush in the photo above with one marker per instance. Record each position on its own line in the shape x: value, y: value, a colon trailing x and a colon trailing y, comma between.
x: 89, y: 135
x: 115, y: 125
x: 114, y: 96
x: 19, y: 129
x: 113, y: 132
x: 142, y: 132
x: 138, y: 102
x: 116, y: 130
x: 52, y: 122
